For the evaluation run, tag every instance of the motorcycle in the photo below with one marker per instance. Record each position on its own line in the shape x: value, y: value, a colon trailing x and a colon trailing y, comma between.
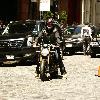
x: 47, y: 54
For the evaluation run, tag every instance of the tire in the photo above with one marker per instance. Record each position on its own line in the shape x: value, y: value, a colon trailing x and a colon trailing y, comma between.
x: 72, y: 52
x: 1, y: 64
x: 42, y: 71
x: 54, y: 74
x: 93, y: 55
x: 54, y: 71
x: 22, y: 62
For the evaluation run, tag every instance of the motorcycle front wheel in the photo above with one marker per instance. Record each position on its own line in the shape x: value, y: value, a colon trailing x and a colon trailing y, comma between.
x: 42, y: 71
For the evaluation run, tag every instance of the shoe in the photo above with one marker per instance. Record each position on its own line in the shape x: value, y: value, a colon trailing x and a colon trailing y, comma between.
x: 64, y: 75
x: 36, y: 75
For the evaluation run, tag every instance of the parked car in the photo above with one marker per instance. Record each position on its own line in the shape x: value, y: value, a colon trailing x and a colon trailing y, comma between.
x: 73, y: 41
x: 16, y: 42
x: 95, y: 44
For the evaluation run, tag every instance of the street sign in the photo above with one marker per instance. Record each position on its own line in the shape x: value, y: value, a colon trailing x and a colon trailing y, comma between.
x: 44, y: 5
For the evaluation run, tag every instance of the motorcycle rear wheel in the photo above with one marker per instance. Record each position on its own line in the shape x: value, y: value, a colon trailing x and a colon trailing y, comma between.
x: 54, y: 75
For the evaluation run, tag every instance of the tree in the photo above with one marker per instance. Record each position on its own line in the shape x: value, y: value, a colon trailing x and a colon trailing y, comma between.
x: 47, y: 14
x: 62, y: 16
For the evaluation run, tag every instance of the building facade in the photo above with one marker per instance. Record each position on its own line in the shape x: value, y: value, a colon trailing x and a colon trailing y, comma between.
x: 91, y: 12
x: 79, y: 11
x: 72, y: 7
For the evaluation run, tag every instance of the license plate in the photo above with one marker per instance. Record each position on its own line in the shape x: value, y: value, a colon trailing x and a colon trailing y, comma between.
x: 10, y: 56
x: 68, y: 45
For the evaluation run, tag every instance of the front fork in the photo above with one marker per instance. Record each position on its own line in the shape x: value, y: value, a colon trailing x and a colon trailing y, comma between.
x: 46, y: 62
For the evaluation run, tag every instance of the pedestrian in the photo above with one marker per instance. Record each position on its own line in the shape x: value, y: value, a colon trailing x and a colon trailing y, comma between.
x: 86, y: 35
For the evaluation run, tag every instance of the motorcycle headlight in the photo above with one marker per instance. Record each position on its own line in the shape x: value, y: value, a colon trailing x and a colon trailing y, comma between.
x: 45, y: 45
x: 45, y: 52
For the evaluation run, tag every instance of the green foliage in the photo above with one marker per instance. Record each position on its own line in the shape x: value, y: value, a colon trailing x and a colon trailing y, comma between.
x: 62, y: 16
x: 47, y: 14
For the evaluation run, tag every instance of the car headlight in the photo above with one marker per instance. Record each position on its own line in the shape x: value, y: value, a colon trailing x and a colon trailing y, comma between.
x: 68, y: 45
x: 45, y: 52
x: 80, y: 39
x: 94, y: 44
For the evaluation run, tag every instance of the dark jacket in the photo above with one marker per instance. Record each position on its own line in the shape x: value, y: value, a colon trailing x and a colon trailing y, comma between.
x: 54, y: 34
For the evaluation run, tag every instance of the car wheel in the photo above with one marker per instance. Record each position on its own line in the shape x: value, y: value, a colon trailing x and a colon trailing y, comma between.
x: 54, y: 75
x: 71, y: 52
x: 93, y: 55
x: 1, y: 64
x: 22, y: 62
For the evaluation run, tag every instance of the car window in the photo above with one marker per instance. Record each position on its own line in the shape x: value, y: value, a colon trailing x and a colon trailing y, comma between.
x: 14, y: 28
x: 71, y: 29
x: 30, y: 25
x: 38, y: 27
x: 73, y: 32
x: 18, y: 28
x: 77, y: 30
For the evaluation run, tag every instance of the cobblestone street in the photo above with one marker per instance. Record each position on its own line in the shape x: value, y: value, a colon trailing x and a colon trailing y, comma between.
x: 19, y: 83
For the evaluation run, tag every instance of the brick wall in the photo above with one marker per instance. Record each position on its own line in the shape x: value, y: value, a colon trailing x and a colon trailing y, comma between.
x: 24, y: 9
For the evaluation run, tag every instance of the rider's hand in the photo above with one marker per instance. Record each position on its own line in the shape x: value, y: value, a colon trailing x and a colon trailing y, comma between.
x: 34, y: 45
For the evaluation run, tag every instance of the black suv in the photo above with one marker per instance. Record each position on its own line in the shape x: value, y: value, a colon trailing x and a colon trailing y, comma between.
x: 94, y: 49
x: 16, y: 41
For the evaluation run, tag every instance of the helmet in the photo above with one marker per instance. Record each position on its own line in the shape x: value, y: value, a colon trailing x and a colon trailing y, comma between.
x: 49, y: 23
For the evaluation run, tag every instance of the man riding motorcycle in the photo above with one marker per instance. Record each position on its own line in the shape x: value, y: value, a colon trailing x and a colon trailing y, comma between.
x: 53, y: 31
